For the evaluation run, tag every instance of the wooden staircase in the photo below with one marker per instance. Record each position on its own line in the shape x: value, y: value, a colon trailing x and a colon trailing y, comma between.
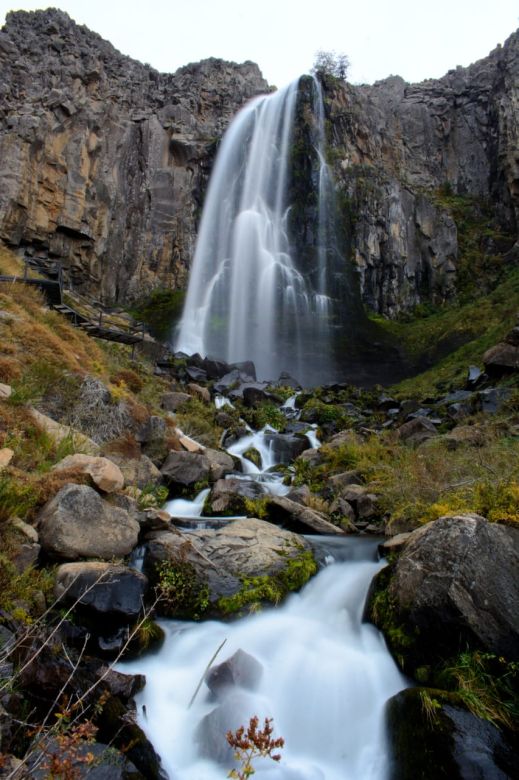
x: 82, y: 312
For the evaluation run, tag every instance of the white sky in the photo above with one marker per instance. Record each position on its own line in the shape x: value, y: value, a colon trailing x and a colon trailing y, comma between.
x: 411, y: 38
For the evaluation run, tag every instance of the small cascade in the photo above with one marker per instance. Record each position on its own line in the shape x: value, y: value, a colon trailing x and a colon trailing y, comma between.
x: 326, y: 678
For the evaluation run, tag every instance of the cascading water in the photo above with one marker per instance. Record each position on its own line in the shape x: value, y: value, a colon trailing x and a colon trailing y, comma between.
x: 326, y: 674
x: 252, y: 295
x: 325, y: 682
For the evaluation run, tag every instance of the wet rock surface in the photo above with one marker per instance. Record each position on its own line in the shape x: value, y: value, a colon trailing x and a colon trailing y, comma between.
x: 452, y: 582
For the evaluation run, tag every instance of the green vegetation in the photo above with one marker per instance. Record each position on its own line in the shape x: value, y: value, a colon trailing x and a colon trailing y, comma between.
x: 160, y: 311
x: 481, y: 242
x: 196, y: 419
x: 487, y: 685
x: 452, y: 337
x: 271, y: 589
x: 181, y: 593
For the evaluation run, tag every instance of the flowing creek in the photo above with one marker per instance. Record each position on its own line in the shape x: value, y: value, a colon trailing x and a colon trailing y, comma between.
x: 326, y: 674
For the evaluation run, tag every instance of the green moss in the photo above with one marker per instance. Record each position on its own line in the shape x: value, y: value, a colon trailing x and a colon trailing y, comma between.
x: 382, y: 612
x: 254, y: 456
x: 270, y: 588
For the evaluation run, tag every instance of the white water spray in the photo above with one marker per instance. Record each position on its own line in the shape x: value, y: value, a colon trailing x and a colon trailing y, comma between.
x: 326, y: 679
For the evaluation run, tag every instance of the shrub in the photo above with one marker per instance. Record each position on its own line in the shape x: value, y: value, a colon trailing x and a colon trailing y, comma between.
x: 331, y: 63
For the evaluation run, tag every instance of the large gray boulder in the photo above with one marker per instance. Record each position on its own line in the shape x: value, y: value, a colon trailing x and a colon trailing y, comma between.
x: 78, y: 523
x: 249, y: 547
x: 456, y: 583
x: 196, y: 567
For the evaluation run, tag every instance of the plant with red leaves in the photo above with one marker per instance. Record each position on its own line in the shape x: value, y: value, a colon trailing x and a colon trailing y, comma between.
x: 251, y: 744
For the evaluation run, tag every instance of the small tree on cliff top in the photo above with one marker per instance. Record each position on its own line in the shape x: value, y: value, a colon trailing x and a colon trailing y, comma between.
x: 330, y: 63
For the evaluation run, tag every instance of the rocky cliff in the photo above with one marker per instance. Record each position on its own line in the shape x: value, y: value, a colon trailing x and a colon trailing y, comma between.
x: 429, y: 177
x: 104, y: 161
x: 104, y: 164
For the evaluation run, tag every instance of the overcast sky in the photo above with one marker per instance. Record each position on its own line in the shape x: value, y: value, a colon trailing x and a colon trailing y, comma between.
x: 412, y: 38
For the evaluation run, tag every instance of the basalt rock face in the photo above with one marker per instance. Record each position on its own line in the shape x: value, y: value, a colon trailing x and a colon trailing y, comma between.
x: 104, y: 161
x: 400, y: 151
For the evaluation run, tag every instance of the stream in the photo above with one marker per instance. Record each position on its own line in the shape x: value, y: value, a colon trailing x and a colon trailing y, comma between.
x: 326, y: 674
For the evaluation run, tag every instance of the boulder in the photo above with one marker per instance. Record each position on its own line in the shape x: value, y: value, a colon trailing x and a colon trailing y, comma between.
x: 253, y: 395
x: 186, y: 552
x: 187, y: 443
x: 240, y: 670
x: 464, y: 436
x: 154, y: 429
x: 30, y: 533
x: 286, y: 447
x: 126, y: 686
x: 345, y: 479
x: 501, y: 359
x: 77, y: 523
x: 395, y: 544
x: 138, y: 472
x: 90, y: 760
x: 341, y: 439
x: 340, y: 508
x: 104, y: 473
x: 363, y: 502
x: 186, y: 468
x: 228, y: 496
x: 215, y: 369
x: 170, y: 402
x: 301, y: 519
x: 199, y: 392
x: 246, y: 367
x: 249, y: 547
x: 220, y: 463
x: 454, y: 583
x: 453, y: 743
x: 416, y: 431
x: 312, y: 456
x: 234, y: 712
x: 102, y: 588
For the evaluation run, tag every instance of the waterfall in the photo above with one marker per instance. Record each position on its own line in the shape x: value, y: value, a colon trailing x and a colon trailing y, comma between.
x: 252, y: 295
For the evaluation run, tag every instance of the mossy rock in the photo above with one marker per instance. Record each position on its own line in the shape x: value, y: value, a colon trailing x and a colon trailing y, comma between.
x: 270, y: 589
x: 381, y: 610
x: 254, y: 456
